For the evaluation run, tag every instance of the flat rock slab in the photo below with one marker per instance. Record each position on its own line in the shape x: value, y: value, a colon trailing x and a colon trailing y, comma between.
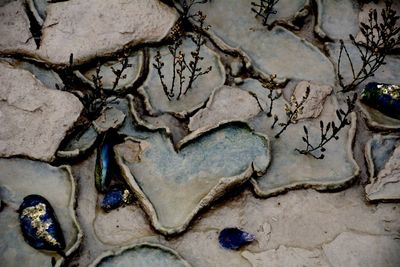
x: 174, y: 184
x: 271, y: 52
x: 74, y: 26
x: 226, y: 104
x: 34, y: 118
x: 155, y: 98
x: 383, y: 158
x: 351, y: 249
x: 337, y: 19
x: 289, y: 169
x: 20, y: 178
x: 14, y: 29
x: 387, y: 73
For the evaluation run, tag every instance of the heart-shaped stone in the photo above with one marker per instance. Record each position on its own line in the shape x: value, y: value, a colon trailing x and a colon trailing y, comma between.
x: 174, y: 184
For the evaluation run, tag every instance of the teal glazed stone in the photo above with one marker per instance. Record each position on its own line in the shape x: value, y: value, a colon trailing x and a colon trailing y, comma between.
x: 39, y: 224
x: 383, y: 97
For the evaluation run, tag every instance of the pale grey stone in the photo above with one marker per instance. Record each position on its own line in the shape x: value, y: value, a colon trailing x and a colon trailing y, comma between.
x: 226, y: 104
x: 314, y: 104
x: 363, y: 250
x: 34, y: 119
x: 14, y: 29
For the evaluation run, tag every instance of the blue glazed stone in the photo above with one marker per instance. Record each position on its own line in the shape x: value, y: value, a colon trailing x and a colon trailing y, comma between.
x: 102, y: 170
x: 234, y: 238
x: 39, y: 224
x: 116, y: 197
x: 383, y: 97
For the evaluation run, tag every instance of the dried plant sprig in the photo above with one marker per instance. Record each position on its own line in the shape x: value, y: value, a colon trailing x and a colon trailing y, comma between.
x: 158, y: 66
x: 293, y: 110
x: 181, y: 68
x: 264, y: 9
x: 328, y: 132
x: 199, y: 40
x: 381, y: 39
x: 188, y: 4
x: 119, y: 72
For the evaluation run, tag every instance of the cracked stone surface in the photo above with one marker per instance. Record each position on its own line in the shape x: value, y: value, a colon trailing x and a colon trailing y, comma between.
x: 383, y: 157
x: 37, y: 118
x: 14, y: 29
x: 342, y: 250
x: 166, y: 151
x: 194, y: 166
x: 156, y: 100
x: 289, y: 169
x: 74, y: 26
x: 272, y: 52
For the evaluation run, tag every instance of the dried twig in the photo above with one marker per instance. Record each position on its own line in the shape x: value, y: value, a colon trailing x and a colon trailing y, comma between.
x: 181, y: 68
x: 328, y: 132
x: 264, y: 9
x: 293, y: 110
x: 381, y: 38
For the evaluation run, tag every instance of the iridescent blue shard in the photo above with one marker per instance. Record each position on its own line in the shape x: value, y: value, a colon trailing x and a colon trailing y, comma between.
x: 102, y: 170
x: 116, y: 197
x: 383, y: 97
x: 39, y: 224
x: 234, y: 238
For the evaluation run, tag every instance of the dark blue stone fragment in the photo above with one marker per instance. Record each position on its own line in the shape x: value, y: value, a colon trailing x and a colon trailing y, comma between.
x: 116, y: 197
x: 102, y: 170
x: 39, y: 224
x: 383, y: 97
x: 234, y: 238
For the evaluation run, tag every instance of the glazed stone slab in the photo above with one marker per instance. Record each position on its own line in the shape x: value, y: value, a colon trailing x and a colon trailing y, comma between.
x: 289, y: 169
x: 19, y: 178
x: 173, y: 184
x: 236, y: 29
x: 155, y: 99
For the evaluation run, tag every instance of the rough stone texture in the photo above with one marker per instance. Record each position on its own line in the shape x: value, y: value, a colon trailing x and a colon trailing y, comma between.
x: 346, y: 249
x: 110, y: 24
x: 272, y: 52
x: 226, y: 104
x: 37, y: 118
x: 286, y: 257
x: 110, y: 118
x: 14, y: 28
x: 387, y: 73
x: 386, y: 185
x: 156, y: 100
x: 75, y: 26
x: 314, y: 104
x: 173, y: 184
x: 289, y: 169
x: 337, y: 19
